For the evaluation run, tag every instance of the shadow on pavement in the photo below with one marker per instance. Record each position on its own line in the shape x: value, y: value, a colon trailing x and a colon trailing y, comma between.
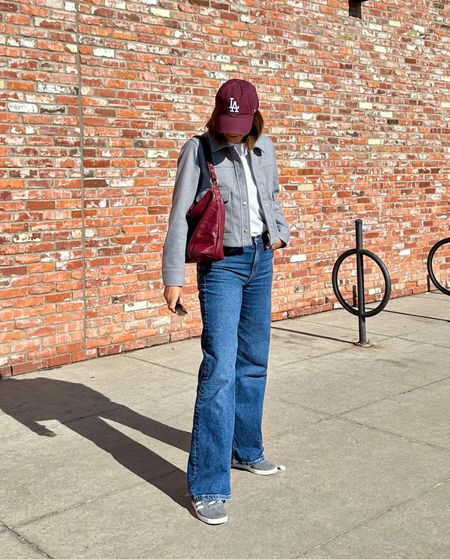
x: 83, y: 409
x: 303, y: 333
x: 417, y: 315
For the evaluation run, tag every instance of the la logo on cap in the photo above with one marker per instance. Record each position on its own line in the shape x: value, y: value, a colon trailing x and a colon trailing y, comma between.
x: 233, y: 107
x: 236, y: 104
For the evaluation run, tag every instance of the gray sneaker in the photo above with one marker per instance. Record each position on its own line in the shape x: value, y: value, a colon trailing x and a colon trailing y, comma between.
x: 265, y: 468
x: 211, y: 512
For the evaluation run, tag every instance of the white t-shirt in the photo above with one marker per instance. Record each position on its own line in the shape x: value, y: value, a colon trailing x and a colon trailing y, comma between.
x: 257, y: 224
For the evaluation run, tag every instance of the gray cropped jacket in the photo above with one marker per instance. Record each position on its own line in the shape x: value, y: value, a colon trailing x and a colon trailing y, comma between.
x: 192, y: 181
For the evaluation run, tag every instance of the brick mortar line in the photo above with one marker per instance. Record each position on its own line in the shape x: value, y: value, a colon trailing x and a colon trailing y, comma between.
x: 318, y: 90
x: 25, y: 540
x: 137, y: 158
x: 81, y: 124
x: 252, y: 12
x: 241, y: 58
x: 148, y: 90
x: 399, y: 96
x: 433, y: 33
x: 375, y: 517
x: 364, y: 112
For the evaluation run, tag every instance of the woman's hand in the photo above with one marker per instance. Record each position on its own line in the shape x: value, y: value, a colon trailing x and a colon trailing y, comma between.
x: 276, y: 245
x: 172, y: 295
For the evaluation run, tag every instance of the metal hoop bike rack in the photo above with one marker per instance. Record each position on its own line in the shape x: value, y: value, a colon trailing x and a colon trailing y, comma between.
x: 360, y: 311
x: 430, y: 265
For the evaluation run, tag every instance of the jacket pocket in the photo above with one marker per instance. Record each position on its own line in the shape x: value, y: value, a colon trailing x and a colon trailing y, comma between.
x: 226, y: 194
x: 225, y: 191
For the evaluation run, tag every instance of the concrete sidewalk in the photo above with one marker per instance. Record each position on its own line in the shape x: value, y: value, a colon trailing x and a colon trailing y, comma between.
x: 93, y: 455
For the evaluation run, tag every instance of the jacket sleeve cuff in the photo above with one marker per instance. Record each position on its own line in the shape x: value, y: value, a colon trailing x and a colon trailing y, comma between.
x: 284, y: 237
x: 173, y: 276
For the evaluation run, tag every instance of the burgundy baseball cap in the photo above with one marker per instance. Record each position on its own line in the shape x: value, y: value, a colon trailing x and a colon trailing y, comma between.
x: 237, y: 103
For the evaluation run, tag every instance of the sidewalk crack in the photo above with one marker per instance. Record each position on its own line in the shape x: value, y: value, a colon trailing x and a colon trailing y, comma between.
x: 375, y: 517
x: 159, y: 365
x: 395, y: 434
x: 24, y: 540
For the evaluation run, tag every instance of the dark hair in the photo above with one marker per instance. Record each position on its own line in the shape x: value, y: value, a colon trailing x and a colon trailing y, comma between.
x: 249, y: 139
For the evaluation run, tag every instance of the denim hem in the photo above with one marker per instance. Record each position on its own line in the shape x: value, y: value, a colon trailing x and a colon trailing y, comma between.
x: 253, y: 463
x: 210, y: 497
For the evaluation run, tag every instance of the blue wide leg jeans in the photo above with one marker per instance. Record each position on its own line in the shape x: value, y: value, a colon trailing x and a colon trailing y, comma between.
x: 235, y: 301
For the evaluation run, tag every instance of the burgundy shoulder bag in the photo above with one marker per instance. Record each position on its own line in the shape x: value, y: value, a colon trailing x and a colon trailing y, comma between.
x: 206, y: 218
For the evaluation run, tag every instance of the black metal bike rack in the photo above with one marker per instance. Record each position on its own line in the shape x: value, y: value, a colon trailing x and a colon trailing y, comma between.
x: 430, y: 265
x: 360, y: 311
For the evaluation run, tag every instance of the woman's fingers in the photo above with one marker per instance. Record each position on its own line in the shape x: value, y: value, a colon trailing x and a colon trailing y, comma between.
x: 277, y: 244
x: 172, y: 294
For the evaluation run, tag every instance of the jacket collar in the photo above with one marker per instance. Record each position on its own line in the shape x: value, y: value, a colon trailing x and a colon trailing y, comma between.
x: 216, y: 146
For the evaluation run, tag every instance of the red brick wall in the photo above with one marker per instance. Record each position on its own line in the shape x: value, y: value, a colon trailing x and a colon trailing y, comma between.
x: 97, y: 97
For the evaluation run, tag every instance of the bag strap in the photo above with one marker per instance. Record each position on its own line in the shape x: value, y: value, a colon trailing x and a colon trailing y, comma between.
x: 204, y: 142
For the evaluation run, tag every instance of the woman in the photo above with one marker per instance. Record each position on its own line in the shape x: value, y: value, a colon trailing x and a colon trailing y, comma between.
x: 234, y: 294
